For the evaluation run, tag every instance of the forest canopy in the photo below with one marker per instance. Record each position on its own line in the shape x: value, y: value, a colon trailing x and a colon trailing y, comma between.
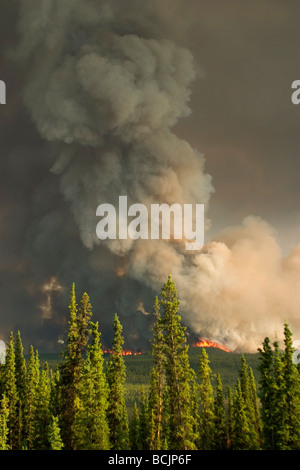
x: 81, y: 403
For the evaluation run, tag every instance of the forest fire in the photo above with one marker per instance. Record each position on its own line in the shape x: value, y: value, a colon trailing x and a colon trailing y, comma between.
x: 125, y: 352
x: 206, y: 343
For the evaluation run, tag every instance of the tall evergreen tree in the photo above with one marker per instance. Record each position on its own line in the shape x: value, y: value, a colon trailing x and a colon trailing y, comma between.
x: 219, y: 431
x: 134, y: 430
x: 278, y: 394
x: 195, y: 409
x: 256, y: 418
x: 144, y: 420
x: 55, y: 391
x: 179, y: 374
x: 4, y: 430
x: 10, y: 390
x: 157, y: 391
x: 267, y: 386
x: 31, y: 384
x: 91, y: 430
x: 291, y: 416
x: 230, y: 417
x: 71, y: 369
x: 42, y: 412
x: 206, y: 400
x: 250, y: 404
x: 241, y: 439
x: 20, y: 366
x: 244, y: 381
x: 116, y: 374
x: 55, y: 441
x: 20, y: 372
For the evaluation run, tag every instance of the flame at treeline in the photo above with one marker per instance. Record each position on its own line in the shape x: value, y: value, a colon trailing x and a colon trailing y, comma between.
x: 206, y: 343
x: 125, y: 352
x: 202, y: 343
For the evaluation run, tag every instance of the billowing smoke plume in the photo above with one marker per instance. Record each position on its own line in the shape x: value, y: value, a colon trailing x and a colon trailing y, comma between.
x: 104, y: 96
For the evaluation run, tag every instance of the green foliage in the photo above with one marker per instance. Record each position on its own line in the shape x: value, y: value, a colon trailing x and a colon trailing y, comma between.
x: 230, y: 418
x: 206, y: 402
x: 219, y: 440
x: 31, y: 385
x: 160, y: 400
x: 241, y: 438
x: 116, y: 373
x: 4, y: 430
x: 10, y: 390
x: 280, y: 395
x: 134, y: 431
x: 179, y: 374
x: 90, y: 427
x: 157, y: 408
x: 71, y: 369
x: 55, y: 441
x: 42, y: 412
x: 291, y: 388
x: 248, y: 389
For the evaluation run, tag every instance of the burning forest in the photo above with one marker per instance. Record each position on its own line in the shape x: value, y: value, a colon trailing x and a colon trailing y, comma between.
x: 104, y: 95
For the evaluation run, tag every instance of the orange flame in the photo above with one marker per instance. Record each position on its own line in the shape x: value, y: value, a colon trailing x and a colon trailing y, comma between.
x: 206, y: 343
x: 125, y: 352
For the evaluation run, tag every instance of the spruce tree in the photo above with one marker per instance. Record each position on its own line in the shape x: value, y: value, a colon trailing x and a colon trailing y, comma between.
x: 157, y: 403
x: 134, y: 430
x: 206, y: 401
x: 71, y: 369
x: 244, y: 381
x: 219, y: 431
x: 291, y: 416
x: 144, y: 420
x: 31, y: 384
x: 195, y: 409
x: 230, y: 417
x: 241, y: 438
x: 179, y: 375
x: 280, y: 392
x: 55, y: 391
x: 42, y: 412
x: 90, y: 428
x: 20, y: 363
x: 54, y: 438
x: 4, y: 429
x: 20, y: 372
x: 267, y: 395
x: 256, y: 418
x: 10, y: 390
x: 279, y: 397
x: 116, y: 374
x: 249, y: 398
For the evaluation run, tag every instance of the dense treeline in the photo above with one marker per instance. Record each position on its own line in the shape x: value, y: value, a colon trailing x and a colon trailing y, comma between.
x: 80, y: 405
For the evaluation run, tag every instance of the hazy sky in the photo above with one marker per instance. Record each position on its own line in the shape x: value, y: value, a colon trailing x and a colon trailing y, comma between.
x: 243, y: 119
x: 246, y: 56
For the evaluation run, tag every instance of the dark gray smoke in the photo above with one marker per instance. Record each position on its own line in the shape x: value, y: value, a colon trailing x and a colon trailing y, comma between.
x: 104, y: 100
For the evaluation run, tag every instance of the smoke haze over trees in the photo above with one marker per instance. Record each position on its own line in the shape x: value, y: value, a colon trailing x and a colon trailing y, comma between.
x: 81, y: 404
